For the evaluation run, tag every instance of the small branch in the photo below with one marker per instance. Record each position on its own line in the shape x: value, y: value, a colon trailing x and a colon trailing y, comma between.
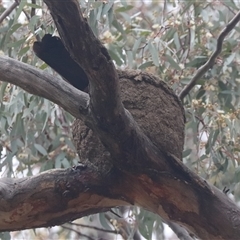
x: 25, y: 12
x: 78, y: 233
x: 203, y: 69
x: 44, y: 85
x: 8, y: 11
x: 33, y: 10
x: 33, y: 13
x: 122, y: 229
x: 95, y: 228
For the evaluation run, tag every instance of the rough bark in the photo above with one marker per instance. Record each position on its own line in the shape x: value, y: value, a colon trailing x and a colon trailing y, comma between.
x: 167, y: 188
x: 141, y: 161
x: 52, y: 198
x: 156, y: 109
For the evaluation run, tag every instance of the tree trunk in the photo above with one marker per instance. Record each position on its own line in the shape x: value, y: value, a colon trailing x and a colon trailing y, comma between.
x: 124, y: 161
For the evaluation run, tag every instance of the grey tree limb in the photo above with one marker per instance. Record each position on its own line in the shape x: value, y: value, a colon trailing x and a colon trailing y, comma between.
x: 142, y: 173
x: 44, y: 85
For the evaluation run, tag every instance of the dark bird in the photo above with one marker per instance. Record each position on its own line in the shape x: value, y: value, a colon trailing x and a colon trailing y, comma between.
x: 52, y: 51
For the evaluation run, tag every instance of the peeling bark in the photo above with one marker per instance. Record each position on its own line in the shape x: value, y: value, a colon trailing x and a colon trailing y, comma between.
x: 52, y: 198
x: 135, y: 161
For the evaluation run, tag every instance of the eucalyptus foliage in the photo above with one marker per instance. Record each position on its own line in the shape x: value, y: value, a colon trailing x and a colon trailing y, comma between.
x: 171, y: 39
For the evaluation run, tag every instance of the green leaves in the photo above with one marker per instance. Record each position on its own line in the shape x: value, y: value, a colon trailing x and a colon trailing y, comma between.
x: 149, y: 224
x: 172, y: 42
x: 5, y: 236
x: 40, y: 149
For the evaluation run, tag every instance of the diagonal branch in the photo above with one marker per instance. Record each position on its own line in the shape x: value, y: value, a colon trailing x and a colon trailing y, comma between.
x: 91, y: 55
x: 203, y: 69
x: 8, y: 11
x: 44, y: 85
x: 143, y: 173
x: 115, y: 127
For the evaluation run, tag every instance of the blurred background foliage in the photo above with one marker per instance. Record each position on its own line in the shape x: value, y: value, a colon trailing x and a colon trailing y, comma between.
x: 171, y: 39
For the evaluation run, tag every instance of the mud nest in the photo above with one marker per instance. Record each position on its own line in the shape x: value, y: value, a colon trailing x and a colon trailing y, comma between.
x: 155, y: 108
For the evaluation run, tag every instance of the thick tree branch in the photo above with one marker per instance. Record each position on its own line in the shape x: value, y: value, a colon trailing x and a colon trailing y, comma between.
x: 53, y: 198
x: 160, y: 175
x: 116, y: 127
x: 142, y: 172
x: 44, y: 85
x: 92, y: 56
x: 168, y: 190
x: 58, y: 196
x: 203, y: 69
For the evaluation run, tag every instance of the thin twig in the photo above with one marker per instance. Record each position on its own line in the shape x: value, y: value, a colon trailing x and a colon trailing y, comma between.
x: 32, y: 14
x: 78, y: 233
x: 33, y: 10
x: 12, y: 7
x: 25, y: 12
x: 8, y: 11
x: 203, y: 69
x: 93, y: 227
x: 123, y: 231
